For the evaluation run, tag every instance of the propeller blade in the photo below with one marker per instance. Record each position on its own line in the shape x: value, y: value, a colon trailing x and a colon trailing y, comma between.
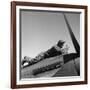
x: 75, y: 43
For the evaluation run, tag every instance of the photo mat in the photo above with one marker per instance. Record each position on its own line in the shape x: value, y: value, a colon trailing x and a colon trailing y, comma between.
x: 40, y: 33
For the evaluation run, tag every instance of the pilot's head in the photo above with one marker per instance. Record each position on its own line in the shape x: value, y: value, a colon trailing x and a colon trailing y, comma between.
x: 60, y: 43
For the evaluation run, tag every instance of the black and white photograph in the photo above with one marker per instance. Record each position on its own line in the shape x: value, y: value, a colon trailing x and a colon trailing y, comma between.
x: 50, y: 44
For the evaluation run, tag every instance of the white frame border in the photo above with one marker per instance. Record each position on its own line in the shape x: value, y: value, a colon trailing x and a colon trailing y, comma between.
x: 50, y: 80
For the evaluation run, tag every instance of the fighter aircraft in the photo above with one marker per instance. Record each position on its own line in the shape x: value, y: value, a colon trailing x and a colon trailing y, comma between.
x: 51, y: 61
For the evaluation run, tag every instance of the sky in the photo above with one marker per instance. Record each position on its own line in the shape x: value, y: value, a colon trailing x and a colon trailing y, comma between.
x: 41, y: 30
